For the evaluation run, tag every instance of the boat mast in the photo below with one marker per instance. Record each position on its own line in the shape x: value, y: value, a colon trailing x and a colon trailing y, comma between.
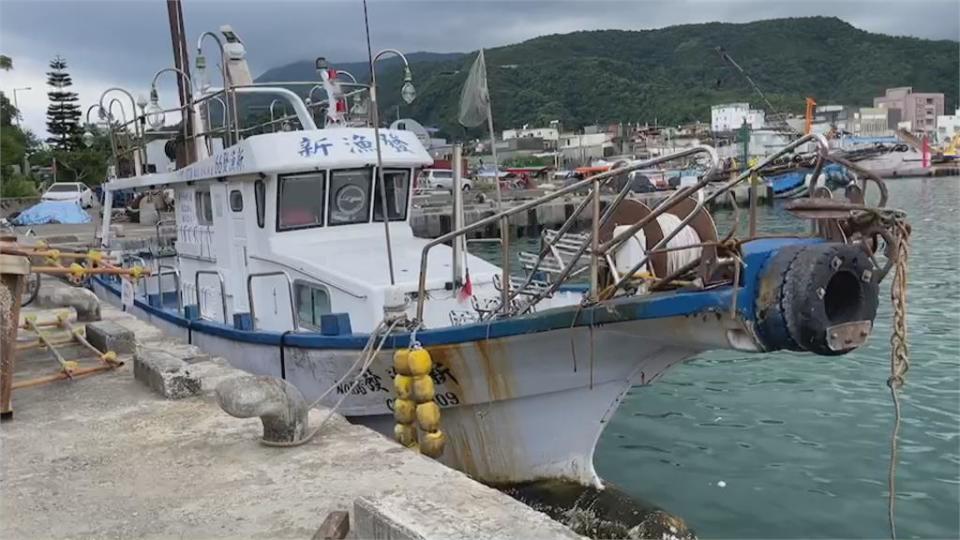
x: 181, y: 61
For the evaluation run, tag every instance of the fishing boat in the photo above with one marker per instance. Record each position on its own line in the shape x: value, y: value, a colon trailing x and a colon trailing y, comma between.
x: 795, y: 182
x: 293, y: 249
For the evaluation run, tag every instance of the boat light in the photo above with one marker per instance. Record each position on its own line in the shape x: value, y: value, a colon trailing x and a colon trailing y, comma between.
x: 153, y: 111
x: 87, y: 139
x: 408, y: 92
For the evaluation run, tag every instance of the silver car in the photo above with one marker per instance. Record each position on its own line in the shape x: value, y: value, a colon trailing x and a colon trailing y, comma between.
x: 441, y: 179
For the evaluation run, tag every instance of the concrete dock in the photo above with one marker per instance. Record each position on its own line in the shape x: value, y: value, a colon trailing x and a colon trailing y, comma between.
x: 104, y: 456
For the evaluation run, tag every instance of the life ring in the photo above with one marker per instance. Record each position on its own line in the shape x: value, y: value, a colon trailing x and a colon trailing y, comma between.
x: 807, y: 290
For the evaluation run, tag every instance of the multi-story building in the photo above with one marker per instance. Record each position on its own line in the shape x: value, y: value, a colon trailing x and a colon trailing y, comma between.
x: 730, y: 116
x: 920, y: 109
x: 948, y: 126
x: 550, y: 136
x: 876, y: 121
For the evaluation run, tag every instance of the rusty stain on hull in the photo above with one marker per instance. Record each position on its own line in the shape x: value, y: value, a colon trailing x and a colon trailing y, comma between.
x: 498, y: 381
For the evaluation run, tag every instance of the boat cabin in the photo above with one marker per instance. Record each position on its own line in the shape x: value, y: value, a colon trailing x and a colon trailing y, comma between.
x: 283, y: 228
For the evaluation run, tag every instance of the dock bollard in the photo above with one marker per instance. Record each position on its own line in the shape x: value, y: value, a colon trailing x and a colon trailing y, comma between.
x: 279, y: 405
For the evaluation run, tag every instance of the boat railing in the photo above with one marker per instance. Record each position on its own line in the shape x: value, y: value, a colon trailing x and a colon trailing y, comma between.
x: 275, y: 273
x: 223, y: 292
x: 129, y: 138
x: 591, y: 245
x: 166, y: 270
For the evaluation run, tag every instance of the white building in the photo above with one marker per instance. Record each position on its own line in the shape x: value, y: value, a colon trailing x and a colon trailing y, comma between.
x: 948, y: 126
x: 582, y: 148
x: 730, y: 116
x: 547, y: 134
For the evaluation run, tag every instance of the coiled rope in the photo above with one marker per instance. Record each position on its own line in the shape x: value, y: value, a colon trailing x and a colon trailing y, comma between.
x: 899, y: 357
x: 364, y: 360
x: 681, y: 250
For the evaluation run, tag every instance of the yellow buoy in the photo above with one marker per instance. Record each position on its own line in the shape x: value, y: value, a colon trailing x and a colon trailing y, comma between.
x: 422, y: 389
x: 428, y: 416
x: 432, y: 444
x: 405, y: 434
x: 404, y: 411
x: 400, y: 364
x: 419, y: 362
x: 404, y: 386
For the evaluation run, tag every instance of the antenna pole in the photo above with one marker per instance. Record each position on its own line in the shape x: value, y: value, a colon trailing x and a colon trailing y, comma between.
x: 181, y: 61
x: 375, y: 112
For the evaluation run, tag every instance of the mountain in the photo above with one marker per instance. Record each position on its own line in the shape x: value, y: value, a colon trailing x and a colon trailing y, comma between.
x: 304, y: 70
x: 670, y: 75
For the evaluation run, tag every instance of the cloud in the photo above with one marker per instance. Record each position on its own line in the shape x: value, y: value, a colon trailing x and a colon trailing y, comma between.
x: 123, y: 43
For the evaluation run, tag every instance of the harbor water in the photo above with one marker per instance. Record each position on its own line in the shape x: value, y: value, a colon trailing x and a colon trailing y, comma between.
x: 785, y: 445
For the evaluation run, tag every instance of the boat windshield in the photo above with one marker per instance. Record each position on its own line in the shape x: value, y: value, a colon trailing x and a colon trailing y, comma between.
x: 300, y: 201
x: 350, y: 196
x: 398, y: 187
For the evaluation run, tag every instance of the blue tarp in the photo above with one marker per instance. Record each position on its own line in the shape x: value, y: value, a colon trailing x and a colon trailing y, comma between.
x: 52, y: 212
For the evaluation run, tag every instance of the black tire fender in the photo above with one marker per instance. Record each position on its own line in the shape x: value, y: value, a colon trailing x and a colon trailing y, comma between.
x: 771, y: 325
x: 805, y: 290
x: 827, y: 285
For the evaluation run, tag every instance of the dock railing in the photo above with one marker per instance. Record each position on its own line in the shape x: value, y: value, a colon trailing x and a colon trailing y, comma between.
x: 591, y: 244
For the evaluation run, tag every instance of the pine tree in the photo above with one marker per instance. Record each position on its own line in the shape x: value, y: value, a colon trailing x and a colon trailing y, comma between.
x: 63, y: 114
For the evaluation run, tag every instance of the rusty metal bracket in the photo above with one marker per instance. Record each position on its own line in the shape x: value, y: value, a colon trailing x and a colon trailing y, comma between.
x: 846, y: 336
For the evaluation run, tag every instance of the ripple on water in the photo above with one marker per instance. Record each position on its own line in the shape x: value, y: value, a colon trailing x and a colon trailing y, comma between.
x: 813, y: 422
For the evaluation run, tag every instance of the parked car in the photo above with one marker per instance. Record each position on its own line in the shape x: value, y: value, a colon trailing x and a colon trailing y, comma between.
x: 441, y: 179
x: 70, y: 191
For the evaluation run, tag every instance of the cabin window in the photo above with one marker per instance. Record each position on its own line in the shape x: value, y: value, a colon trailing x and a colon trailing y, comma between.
x: 204, y: 207
x: 398, y: 187
x: 236, y: 201
x: 260, y: 194
x: 300, y: 201
x: 350, y: 196
x: 312, y: 302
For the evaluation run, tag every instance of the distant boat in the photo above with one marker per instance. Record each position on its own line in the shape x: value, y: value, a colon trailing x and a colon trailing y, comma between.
x: 796, y: 182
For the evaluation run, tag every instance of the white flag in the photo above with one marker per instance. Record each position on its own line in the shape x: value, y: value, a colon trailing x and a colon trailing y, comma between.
x: 475, y: 99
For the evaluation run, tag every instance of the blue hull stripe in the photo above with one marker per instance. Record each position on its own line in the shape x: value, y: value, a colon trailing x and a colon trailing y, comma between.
x: 654, y: 306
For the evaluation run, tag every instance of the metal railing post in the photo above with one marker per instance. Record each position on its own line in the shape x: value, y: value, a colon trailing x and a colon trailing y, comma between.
x: 504, y: 263
x: 595, y: 243
x: 176, y: 274
x: 253, y: 316
x: 223, y: 292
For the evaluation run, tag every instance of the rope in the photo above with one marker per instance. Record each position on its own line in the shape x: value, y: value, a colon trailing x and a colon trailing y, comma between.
x: 364, y: 359
x: 684, y: 237
x: 899, y: 357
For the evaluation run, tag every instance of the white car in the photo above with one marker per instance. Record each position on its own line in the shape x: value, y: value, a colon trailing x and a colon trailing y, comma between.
x: 70, y: 191
x: 441, y: 179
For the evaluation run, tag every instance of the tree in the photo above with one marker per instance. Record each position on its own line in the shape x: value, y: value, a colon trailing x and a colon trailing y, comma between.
x: 63, y: 114
x: 6, y: 63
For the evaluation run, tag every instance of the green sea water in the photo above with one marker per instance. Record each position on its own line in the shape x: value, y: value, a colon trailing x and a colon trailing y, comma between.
x: 799, y: 443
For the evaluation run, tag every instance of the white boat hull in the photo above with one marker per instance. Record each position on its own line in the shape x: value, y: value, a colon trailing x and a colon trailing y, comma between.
x: 519, y: 408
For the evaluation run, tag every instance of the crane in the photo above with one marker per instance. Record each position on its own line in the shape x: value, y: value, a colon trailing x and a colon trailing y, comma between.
x: 784, y: 126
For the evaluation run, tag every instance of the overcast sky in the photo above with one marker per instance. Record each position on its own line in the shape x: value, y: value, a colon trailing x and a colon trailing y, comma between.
x: 123, y: 42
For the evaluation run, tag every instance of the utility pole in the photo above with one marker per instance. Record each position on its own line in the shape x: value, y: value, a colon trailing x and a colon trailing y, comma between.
x: 16, y: 105
x: 181, y: 61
